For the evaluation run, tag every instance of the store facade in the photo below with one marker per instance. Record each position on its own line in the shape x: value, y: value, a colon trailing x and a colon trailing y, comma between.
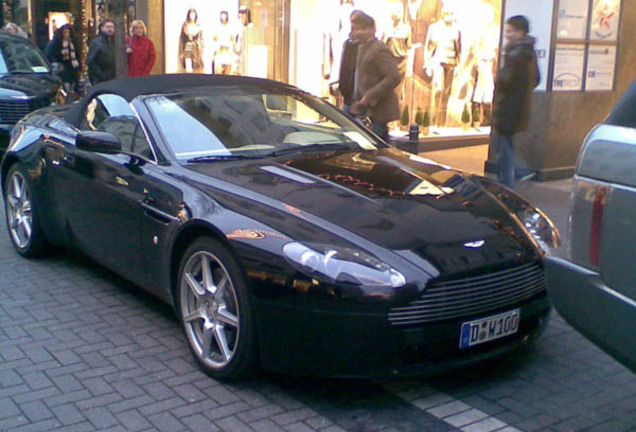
x: 300, y: 42
x: 448, y: 51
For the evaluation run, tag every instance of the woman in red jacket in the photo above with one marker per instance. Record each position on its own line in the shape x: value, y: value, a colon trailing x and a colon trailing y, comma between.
x: 140, y: 49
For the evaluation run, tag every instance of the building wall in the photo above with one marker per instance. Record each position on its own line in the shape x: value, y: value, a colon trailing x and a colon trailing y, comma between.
x: 155, y: 31
x: 560, y: 121
x: 573, y: 115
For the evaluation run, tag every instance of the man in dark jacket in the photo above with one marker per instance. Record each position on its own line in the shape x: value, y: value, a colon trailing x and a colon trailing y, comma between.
x: 348, y: 69
x: 376, y: 76
x: 101, y: 54
x: 513, y: 91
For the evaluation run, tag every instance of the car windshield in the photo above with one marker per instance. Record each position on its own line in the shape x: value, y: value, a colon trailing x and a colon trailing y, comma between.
x: 18, y: 56
x: 224, y: 123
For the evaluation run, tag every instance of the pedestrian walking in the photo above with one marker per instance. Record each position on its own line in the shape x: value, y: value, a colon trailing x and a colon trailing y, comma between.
x: 375, y: 78
x: 515, y: 81
x: 61, y: 53
x: 140, y: 50
x: 101, y: 54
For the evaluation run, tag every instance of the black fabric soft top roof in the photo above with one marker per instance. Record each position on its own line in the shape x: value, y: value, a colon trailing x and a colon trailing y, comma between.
x: 130, y: 88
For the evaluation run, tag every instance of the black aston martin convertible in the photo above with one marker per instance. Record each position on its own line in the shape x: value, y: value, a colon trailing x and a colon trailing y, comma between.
x: 285, y: 235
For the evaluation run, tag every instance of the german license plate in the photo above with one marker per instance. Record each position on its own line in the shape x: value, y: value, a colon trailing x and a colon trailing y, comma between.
x: 490, y: 328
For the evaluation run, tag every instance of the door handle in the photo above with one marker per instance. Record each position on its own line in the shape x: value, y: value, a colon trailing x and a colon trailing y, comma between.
x: 121, y: 181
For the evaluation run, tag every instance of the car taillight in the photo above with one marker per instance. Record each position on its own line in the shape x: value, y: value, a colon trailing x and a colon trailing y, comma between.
x: 596, y: 224
x: 586, y: 221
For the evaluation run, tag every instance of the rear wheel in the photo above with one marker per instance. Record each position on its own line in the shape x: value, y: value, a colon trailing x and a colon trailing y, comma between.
x: 22, y: 214
x: 215, y: 310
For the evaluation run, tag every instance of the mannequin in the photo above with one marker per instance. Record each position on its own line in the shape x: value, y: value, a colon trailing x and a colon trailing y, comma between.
x: 224, y: 40
x: 442, y: 53
x: 191, y: 44
x: 241, y: 46
x: 485, y: 57
x: 399, y: 42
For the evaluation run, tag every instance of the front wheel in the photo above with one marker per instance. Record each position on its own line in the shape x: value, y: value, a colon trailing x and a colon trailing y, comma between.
x: 215, y: 310
x: 22, y: 214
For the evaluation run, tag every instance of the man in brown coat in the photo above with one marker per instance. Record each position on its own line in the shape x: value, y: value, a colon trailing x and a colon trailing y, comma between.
x: 376, y: 77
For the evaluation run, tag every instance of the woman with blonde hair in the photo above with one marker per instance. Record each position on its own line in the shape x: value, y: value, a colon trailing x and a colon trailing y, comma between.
x: 140, y: 49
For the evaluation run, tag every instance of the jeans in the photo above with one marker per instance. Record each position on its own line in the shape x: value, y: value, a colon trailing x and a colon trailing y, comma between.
x: 381, y: 130
x: 505, y: 159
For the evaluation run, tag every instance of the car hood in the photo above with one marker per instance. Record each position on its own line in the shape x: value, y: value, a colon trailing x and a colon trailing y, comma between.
x: 397, y: 200
x: 27, y: 85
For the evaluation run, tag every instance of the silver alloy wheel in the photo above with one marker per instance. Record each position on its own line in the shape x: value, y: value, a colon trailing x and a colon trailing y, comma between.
x: 209, y: 309
x: 19, y: 210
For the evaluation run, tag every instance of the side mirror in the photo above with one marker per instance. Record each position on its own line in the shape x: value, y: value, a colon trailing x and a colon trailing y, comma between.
x: 98, y: 142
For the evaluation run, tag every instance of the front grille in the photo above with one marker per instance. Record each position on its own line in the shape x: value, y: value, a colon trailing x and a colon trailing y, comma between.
x: 451, y: 299
x: 11, y: 111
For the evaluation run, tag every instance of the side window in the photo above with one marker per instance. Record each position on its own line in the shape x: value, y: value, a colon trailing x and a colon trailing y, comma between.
x: 112, y: 113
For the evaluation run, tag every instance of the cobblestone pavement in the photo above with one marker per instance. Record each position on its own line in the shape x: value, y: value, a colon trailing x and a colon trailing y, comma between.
x: 83, y: 350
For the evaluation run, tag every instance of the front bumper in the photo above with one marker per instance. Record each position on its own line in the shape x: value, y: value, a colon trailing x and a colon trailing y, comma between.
x: 602, y: 314
x: 296, y: 341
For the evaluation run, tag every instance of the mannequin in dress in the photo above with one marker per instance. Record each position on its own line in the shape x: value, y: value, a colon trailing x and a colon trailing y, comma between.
x: 191, y: 44
x: 224, y: 41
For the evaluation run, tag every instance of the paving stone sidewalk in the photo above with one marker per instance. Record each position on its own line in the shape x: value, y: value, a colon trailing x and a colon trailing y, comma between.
x: 83, y: 350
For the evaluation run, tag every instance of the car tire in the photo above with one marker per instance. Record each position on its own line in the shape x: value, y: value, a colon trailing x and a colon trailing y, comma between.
x: 215, y: 310
x: 22, y: 214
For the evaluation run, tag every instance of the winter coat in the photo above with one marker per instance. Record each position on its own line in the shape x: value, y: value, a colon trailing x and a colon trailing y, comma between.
x: 142, y: 58
x: 513, y: 87
x: 378, y: 76
x: 101, y: 59
x: 348, y: 70
x: 67, y: 60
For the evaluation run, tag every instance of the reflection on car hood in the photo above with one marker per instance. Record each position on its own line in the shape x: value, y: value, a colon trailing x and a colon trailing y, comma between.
x: 395, y: 199
x: 30, y: 85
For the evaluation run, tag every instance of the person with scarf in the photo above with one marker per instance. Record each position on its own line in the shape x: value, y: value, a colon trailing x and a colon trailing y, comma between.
x: 61, y: 53
x: 101, y: 54
x: 140, y: 49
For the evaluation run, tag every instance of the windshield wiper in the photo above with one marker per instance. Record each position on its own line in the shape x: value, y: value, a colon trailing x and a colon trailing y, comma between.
x: 310, y: 148
x: 214, y: 158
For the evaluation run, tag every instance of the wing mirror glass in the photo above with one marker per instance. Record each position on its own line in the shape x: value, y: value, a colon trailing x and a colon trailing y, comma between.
x: 98, y: 142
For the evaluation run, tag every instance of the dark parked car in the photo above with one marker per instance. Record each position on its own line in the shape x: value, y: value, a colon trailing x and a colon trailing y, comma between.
x: 284, y: 233
x: 594, y: 287
x: 26, y: 83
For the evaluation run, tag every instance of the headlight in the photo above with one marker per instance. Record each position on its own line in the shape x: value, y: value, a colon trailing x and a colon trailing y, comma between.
x: 536, y: 222
x: 540, y: 227
x: 342, y: 265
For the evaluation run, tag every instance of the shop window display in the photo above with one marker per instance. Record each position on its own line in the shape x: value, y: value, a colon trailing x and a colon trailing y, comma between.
x: 229, y: 37
x: 455, y: 63
x: 446, y: 51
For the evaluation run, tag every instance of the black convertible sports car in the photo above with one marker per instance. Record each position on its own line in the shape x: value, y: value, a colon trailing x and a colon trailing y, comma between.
x: 284, y: 234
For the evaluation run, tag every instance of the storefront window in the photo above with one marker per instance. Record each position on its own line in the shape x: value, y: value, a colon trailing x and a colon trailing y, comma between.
x: 229, y: 37
x: 447, y: 49
x: 446, y: 53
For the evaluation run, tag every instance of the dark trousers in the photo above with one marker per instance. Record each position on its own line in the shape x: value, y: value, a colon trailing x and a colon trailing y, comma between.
x: 381, y: 130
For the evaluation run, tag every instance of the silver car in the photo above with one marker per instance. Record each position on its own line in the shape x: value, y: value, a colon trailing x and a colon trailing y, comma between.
x: 594, y: 288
